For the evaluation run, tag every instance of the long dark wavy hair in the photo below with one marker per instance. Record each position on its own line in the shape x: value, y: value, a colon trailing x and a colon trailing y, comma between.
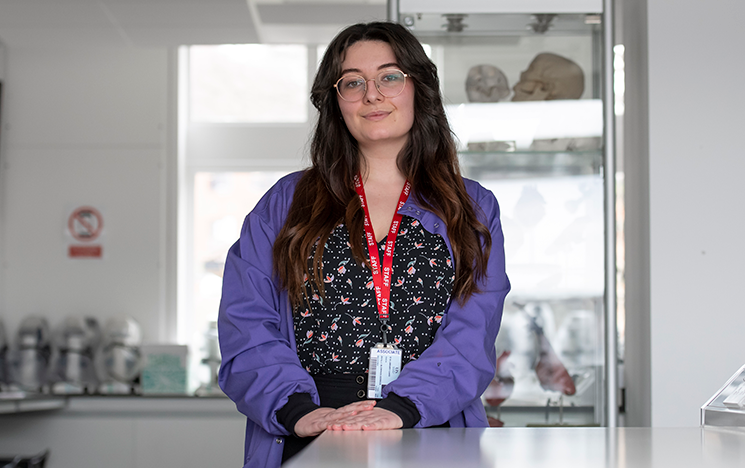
x: 325, y: 196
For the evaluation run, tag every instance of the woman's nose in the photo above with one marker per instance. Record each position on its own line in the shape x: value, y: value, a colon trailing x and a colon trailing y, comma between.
x: 371, y: 91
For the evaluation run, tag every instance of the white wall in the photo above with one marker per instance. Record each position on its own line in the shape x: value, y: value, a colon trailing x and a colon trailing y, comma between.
x: 95, y: 126
x: 84, y: 127
x: 696, y: 162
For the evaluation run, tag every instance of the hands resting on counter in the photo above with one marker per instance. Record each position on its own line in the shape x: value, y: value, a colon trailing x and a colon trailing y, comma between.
x: 360, y: 416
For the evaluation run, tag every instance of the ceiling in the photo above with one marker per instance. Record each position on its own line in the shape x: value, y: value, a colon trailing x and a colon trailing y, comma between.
x: 157, y: 23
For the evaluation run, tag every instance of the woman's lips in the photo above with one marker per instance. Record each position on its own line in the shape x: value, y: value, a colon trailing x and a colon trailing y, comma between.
x: 377, y: 115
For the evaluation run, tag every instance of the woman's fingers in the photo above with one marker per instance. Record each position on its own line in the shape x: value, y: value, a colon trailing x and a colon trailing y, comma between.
x: 375, y: 419
x: 354, y: 408
x: 314, y: 422
x: 322, y: 419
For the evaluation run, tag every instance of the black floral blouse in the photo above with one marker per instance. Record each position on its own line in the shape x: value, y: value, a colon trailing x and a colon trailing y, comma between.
x: 335, y: 334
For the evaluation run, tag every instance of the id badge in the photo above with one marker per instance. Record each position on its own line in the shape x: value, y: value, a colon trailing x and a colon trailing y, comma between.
x: 385, y: 365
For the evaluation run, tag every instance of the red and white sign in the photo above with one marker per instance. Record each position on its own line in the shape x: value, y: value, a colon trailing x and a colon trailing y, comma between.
x: 91, y: 251
x: 85, y: 225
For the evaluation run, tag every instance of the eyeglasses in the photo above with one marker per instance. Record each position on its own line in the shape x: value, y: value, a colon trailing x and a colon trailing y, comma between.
x: 390, y: 83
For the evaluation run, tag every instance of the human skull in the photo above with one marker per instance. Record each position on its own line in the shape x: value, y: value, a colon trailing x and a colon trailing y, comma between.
x: 549, y: 77
x: 486, y: 83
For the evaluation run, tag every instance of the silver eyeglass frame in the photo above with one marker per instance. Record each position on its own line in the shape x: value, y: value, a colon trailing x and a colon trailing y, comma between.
x: 377, y: 86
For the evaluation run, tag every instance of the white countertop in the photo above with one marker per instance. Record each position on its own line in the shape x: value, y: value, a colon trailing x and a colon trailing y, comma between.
x: 528, y: 448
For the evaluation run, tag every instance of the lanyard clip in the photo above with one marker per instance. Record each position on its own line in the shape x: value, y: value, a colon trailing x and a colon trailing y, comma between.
x: 384, y: 329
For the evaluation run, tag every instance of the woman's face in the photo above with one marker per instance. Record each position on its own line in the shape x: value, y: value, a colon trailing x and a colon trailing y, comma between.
x: 376, y: 121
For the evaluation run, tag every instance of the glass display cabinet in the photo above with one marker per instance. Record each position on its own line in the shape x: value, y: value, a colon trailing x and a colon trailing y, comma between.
x: 525, y: 87
x: 727, y: 406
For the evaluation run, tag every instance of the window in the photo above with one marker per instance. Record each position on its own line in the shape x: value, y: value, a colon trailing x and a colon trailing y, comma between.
x: 221, y: 201
x: 248, y: 83
x: 245, y: 121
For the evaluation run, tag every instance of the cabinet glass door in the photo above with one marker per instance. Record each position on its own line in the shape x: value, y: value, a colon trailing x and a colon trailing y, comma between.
x: 523, y: 93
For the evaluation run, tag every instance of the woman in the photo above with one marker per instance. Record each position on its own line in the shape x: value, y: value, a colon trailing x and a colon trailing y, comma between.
x: 380, y: 252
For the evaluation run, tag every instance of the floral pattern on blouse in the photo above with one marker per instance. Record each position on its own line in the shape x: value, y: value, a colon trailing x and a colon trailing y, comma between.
x: 335, y: 334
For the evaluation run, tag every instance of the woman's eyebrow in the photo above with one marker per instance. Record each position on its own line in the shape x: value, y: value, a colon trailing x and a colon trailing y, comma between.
x: 388, y: 65
x: 350, y: 70
x: 357, y: 70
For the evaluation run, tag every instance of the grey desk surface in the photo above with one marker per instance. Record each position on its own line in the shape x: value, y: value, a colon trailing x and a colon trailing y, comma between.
x: 528, y: 448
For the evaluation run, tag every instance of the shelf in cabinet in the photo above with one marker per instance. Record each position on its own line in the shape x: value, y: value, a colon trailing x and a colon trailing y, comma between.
x: 436, y: 27
x: 511, y: 164
x: 540, y: 409
x: 543, y: 416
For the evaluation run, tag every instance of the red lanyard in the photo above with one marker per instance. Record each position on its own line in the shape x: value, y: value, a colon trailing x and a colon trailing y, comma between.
x: 381, y: 278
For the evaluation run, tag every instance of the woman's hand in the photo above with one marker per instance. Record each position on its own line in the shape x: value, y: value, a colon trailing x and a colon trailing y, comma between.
x: 376, y: 419
x: 320, y: 419
x: 314, y: 422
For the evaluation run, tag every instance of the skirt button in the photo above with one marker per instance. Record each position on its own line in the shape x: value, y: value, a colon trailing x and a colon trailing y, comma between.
x: 361, y: 394
x: 360, y: 379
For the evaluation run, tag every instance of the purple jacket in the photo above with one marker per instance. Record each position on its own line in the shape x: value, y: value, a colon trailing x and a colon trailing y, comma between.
x: 260, y: 367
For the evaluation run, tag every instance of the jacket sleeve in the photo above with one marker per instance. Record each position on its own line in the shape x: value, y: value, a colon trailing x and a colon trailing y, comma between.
x: 455, y: 370
x: 260, y: 368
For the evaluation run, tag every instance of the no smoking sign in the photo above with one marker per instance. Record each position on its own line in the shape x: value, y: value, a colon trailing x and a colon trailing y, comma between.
x: 85, y: 225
